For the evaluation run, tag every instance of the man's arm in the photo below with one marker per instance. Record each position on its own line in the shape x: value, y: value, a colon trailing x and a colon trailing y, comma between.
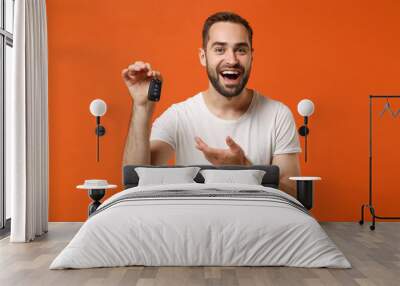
x: 139, y: 150
x: 137, y: 146
x: 161, y: 152
x: 289, y: 166
x: 288, y: 163
x: 234, y: 155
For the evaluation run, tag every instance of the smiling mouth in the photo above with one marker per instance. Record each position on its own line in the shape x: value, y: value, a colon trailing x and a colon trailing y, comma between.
x: 230, y: 76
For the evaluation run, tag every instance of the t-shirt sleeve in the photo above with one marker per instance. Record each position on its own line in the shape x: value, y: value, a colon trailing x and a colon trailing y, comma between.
x: 286, y: 139
x: 165, y: 127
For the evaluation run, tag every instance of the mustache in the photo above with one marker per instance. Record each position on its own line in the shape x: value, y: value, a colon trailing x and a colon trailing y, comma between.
x: 236, y: 66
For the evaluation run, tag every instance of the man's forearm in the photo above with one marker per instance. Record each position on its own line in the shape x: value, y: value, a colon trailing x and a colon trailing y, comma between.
x: 137, y: 146
x: 288, y: 186
x: 285, y: 185
x: 247, y: 162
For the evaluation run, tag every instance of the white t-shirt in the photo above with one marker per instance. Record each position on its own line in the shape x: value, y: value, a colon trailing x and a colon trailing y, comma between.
x: 267, y: 128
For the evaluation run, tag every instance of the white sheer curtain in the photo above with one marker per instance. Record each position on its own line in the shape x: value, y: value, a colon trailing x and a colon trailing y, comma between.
x: 27, y: 124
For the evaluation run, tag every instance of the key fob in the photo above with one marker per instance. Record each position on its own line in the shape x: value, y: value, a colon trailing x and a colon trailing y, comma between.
x: 154, y: 90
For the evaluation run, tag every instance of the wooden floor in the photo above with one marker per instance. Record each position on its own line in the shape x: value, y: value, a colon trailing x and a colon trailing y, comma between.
x: 375, y: 256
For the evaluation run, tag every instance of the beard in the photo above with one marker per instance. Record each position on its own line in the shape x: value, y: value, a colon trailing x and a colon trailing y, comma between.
x: 234, y: 90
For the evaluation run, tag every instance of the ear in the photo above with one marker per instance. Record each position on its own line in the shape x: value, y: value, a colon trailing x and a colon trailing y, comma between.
x: 202, y: 57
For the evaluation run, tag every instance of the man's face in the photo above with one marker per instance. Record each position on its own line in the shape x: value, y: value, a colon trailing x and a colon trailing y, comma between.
x: 228, y: 58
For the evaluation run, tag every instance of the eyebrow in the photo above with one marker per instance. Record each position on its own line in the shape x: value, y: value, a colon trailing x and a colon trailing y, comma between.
x: 241, y: 44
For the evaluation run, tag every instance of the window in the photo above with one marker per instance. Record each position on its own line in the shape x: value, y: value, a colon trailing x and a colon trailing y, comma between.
x: 6, y: 61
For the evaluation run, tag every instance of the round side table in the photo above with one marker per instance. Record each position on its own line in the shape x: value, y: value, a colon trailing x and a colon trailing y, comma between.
x: 96, y: 193
x: 305, y: 190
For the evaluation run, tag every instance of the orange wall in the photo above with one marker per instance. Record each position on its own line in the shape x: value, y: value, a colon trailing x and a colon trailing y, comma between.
x: 333, y: 52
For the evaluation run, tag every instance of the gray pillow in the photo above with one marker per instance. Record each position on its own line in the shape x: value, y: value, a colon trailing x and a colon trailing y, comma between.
x: 162, y: 176
x: 248, y: 177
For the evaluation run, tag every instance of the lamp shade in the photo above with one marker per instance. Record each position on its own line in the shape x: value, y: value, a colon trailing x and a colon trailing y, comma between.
x: 98, y: 107
x: 305, y: 107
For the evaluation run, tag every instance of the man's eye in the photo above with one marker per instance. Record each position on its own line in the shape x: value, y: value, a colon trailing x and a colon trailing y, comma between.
x: 219, y: 50
x: 242, y: 50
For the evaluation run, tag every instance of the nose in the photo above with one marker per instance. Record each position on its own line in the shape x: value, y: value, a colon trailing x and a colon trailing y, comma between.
x: 231, y: 57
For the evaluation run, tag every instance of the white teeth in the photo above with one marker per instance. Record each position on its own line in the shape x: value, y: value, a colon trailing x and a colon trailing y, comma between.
x: 230, y: 72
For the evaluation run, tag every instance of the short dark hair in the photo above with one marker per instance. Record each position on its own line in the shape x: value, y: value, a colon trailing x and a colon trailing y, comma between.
x: 225, y: 17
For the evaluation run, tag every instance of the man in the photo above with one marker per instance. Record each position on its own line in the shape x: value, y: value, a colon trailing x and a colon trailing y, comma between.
x: 227, y: 124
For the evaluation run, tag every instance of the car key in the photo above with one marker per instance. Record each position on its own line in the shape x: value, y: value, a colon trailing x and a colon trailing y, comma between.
x: 154, y: 89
